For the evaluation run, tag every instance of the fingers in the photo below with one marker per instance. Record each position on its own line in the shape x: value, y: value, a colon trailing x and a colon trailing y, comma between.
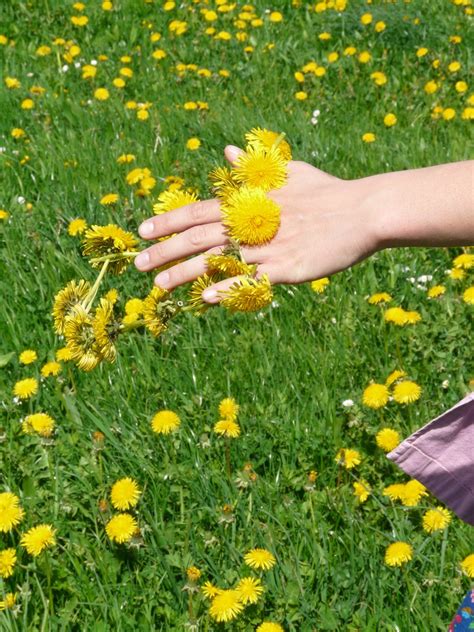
x: 180, y: 219
x: 215, y: 293
x: 232, y: 152
x: 185, y: 271
x: 197, y: 239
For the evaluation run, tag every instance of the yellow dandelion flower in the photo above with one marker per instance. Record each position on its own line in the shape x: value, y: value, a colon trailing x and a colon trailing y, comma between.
x: 248, y: 295
x: 39, y: 423
x: 387, y: 439
x: 399, y: 316
x: 109, y: 240
x: 64, y: 354
x: 8, y: 602
x: 193, y: 143
x: 395, y: 491
x: 121, y: 528
x: 250, y: 216
x: 348, y: 458
x: 260, y: 559
x: 125, y: 493
x: 406, y: 392
x: 396, y: 315
x: 79, y: 20
x: 4, y: 215
x: 228, y: 265
x: 26, y: 388
x: 76, y: 226
x: 319, y: 285
x: 66, y: 299
x: 468, y: 295
x: 193, y: 574
x: 412, y: 493
x: 51, y: 369
x: 398, y: 553
x: 436, y: 291
x: 109, y: 198
x: 80, y: 338
x: 361, y: 490
x: 106, y: 329
x: 375, y: 396
x: 394, y: 376
x: 11, y: 513
x: 265, y: 139
x: 158, y: 309
x: 227, y: 428
x: 262, y: 168
x: 101, y: 94
x: 39, y: 538
x: 195, y: 300
x: 380, y: 297
x: 228, y: 408
x: 7, y: 562
x: 456, y: 274
x: 369, y: 137
x: 250, y: 589
x: 436, y: 519
x: 125, y: 159
x: 209, y: 590
x: 223, y: 181
x: 269, y: 626
x: 165, y: 422
x: 467, y: 565
x: 169, y: 200
x: 390, y: 119
x: 464, y: 261
x: 412, y: 317
x: 134, y: 306
x: 226, y: 606
x: 28, y: 356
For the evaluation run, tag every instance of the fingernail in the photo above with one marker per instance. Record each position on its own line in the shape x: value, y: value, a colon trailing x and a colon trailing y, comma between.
x: 146, y: 229
x: 210, y: 296
x: 233, y: 152
x: 162, y: 279
x: 142, y: 260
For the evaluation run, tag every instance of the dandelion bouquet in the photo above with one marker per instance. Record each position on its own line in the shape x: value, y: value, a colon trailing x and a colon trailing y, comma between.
x: 91, y: 324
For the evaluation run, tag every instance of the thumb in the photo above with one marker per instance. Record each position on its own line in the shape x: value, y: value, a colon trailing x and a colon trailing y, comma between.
x: 232, y: 153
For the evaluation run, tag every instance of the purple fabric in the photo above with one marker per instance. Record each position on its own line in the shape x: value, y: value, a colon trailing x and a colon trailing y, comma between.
x: 441, y: 456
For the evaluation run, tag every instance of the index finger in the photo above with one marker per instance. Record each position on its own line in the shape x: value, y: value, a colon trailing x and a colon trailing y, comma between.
x: 179, y: 219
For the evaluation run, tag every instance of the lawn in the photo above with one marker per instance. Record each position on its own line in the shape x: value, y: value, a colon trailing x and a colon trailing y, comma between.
x: 90, y: 92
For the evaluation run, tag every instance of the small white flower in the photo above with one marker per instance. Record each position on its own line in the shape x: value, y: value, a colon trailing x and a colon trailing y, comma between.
x: 445, y: 384
x: 314, y: 121
x: 77, y: 64
x: 94, y: 62
x: 65, y: 68
x: 316, y: 113
x: 347, y: 403
x: 424, y: 278
x: 20, y: 199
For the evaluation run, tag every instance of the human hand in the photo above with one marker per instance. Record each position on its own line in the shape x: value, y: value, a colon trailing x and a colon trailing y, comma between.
x: 324, y: 228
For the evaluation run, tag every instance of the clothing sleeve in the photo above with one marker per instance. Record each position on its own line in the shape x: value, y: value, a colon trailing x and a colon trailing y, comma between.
x: 441, y: 456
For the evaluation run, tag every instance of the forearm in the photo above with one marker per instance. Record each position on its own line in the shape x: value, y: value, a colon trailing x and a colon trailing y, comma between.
x: 433, y: 206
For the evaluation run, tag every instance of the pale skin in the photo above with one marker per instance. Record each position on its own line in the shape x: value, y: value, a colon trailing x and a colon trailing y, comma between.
x: 327, y: 224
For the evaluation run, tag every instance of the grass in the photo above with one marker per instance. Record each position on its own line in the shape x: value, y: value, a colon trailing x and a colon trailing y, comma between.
x: 289, y: 367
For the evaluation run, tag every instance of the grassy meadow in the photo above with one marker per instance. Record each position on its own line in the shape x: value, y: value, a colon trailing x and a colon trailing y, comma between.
x: 206, y: 500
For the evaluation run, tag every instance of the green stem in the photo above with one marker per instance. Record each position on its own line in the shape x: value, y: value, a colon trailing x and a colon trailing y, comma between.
x: 93, y: 292
x: 227, y: 458
x: 47, y: 566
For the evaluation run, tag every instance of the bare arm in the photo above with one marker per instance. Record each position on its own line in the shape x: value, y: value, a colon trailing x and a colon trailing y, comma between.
x: 327, y: 224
